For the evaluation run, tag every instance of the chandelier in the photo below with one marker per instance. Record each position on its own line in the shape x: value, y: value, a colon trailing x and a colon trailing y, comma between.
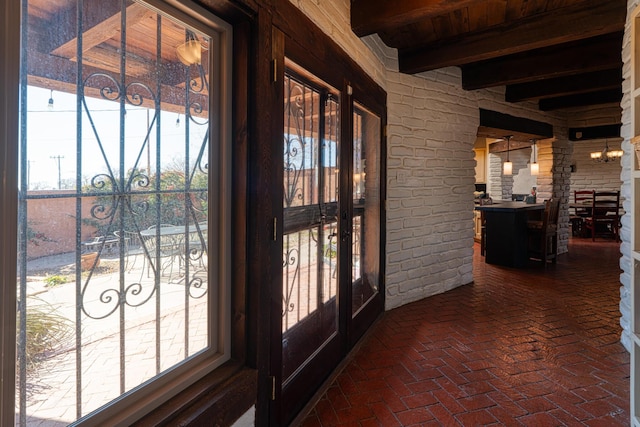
x: 606, y: 155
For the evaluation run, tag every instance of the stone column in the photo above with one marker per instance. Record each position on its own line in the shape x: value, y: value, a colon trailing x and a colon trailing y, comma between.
x: 554, y: 180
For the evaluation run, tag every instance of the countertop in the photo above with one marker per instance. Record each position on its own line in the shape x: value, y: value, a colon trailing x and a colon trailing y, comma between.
x: 509, y: 206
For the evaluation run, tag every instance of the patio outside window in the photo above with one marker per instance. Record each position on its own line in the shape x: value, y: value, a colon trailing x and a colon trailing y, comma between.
x: 121, y: 267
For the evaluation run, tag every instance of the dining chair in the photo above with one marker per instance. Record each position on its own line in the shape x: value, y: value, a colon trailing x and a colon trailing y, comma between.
x: 542, y: 234
x: 582, y: 200
x: 604, y: 218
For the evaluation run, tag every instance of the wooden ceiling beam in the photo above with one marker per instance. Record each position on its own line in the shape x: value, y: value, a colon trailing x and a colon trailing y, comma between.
x: 562, y: 86
x: 66, y: 24
x: 595, y: 132
x: 582, y: 20
x: 52, y: 72
x: 595, y: 54
x: 511, y: 125
x: 373, y: 16
x: 103, y: 31
x: 609, y: 96
x: 503, y: 147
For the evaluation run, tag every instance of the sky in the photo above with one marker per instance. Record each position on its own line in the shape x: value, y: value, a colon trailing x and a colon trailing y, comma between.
x: 51, y: 138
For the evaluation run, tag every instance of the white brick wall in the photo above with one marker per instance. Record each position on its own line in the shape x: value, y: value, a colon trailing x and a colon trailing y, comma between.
x: 430, y: 183
x: 430, y: 167
x: 625, y: 176
x: 590, y: 175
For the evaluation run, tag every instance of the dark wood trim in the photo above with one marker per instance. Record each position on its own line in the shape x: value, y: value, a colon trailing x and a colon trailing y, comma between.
x: 562, y: 86
x: 242, y: 335
x: 595, y: 54
x: 345, y: 228
x: 220, y: 398
x: 595, y: 132
x: 608, y: 96
x: 302, y: 217
x: 265, y: 270
x: 375, y: 307
x: 313, y: 50
x: 373, y: 16
x: 494, y: 119
x: 234, y: 11
x: 581, y: 20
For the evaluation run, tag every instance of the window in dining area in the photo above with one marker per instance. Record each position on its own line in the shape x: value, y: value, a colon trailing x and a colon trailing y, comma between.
x: 122, y: 289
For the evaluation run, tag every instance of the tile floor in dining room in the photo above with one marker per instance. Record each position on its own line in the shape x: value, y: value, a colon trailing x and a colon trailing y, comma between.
x: 527, y: 347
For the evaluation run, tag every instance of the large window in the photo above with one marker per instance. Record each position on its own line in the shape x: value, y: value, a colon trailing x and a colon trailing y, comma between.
x: 121, y: 283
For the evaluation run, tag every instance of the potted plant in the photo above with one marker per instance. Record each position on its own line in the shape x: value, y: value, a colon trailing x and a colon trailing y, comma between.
x: 88, y: 260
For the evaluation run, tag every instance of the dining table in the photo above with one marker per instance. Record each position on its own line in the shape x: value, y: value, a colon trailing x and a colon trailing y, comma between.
x: 172, y: 240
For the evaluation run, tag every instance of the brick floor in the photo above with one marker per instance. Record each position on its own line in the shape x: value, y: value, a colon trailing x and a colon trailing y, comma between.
x: 529, y: 347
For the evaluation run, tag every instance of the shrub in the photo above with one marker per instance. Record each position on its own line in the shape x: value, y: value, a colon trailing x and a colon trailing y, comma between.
x: 55, y: 280
x: 46, y: 330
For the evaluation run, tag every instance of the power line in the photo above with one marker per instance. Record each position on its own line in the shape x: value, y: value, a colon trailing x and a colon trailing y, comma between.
x: 58, y: 158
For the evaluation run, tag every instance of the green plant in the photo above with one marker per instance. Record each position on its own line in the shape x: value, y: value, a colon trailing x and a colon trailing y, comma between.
x: 35, y: 237
x: 45, y: 331
x: 55, y: 280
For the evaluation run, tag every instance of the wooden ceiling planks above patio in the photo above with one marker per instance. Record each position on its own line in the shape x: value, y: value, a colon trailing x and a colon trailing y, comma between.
x: 53, y: 65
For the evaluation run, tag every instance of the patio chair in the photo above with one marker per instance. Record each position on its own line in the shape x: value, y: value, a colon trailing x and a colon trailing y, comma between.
x: 132, y: 247
x: 100, y: 244
x: 168, y: 239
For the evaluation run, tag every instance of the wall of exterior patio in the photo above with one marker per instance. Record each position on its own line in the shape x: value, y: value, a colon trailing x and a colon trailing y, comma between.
x: 51, y: 223
x: 432, y: 126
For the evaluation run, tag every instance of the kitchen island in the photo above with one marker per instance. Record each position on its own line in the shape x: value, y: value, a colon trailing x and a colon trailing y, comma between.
x: 506, y: 231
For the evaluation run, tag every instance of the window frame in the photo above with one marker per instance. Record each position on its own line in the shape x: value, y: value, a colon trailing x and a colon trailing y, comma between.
x: 133, y: 406
x: 9, y: 78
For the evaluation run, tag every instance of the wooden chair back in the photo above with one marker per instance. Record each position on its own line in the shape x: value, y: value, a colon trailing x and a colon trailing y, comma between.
x: 583, y: 197
x: 606, y: 204
x: 605, y: 213
x: 550, y: 215
x: 543, y: 235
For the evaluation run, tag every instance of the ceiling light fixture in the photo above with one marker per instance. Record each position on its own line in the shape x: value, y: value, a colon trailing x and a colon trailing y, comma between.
x: 190, y: 52
x: 50, y: 103
x: 535, y: 167
x: 507, y: 167
x: 606, y: 155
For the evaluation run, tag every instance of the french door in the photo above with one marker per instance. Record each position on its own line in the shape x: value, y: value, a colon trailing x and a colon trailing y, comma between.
x: 331, y: 245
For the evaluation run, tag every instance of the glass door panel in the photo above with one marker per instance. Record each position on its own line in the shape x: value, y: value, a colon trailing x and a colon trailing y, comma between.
x: 310, y: 202
x: 366, y: 208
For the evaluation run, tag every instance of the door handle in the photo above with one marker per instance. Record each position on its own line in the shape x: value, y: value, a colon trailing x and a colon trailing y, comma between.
x: 345, y: 235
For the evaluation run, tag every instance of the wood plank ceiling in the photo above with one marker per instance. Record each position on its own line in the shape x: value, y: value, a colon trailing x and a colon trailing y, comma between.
x: 560, y: 53
x: 151, y: 59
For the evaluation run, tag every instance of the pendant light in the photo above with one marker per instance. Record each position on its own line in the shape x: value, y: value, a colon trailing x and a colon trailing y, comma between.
x: 507, y: 167
x: 535, y: 167
x: 190, y: 51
